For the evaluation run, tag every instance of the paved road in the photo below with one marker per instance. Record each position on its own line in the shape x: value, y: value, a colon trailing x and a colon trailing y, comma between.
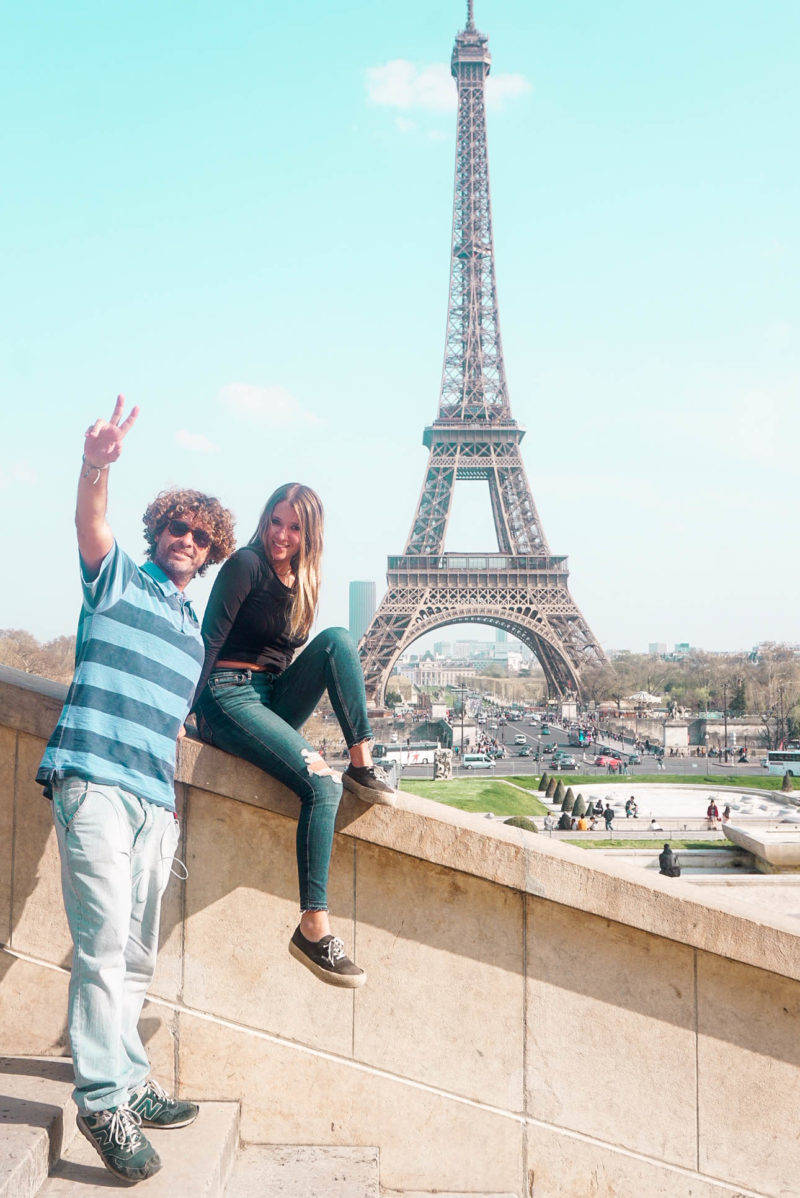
x: 514, y: 764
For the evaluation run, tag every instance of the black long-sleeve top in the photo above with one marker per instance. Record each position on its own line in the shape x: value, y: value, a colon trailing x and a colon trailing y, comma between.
x: 247, y: 616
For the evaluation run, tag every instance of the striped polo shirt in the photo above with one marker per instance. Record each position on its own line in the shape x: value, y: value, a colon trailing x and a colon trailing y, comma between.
x: 137, y: 661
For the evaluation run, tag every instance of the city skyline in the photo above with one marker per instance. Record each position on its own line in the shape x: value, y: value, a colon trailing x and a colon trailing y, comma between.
x: 169, y: 245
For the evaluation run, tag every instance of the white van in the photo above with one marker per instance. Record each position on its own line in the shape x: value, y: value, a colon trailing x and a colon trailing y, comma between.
x: 477, y: 761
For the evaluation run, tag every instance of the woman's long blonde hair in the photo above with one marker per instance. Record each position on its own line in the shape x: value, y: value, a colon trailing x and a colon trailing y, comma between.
x: 306, y: 563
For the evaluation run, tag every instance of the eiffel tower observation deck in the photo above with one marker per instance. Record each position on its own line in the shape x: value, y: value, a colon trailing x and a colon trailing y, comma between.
x: 522, y: 588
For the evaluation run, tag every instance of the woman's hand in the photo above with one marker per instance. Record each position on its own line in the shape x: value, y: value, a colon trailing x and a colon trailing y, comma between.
x: 103, y: 442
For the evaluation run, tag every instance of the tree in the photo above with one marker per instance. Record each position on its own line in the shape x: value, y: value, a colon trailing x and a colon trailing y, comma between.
x: 738, y: 703
x: 393, y: 698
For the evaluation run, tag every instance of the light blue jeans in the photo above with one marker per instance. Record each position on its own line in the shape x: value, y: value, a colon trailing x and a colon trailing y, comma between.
x: 116, y: 855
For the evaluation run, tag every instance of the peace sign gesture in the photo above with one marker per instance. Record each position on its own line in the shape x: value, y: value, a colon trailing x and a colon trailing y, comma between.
x: 103, y: 443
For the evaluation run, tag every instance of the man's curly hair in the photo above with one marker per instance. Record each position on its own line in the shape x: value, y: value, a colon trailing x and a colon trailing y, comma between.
x: 201, y: 510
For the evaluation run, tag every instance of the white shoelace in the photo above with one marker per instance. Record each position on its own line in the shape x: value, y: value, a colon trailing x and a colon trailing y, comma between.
x: 334, y: 950
x: 158, y: 1090
x: 123, y: 1124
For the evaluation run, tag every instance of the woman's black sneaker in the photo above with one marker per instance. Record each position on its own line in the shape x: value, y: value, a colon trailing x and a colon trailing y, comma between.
x: 370, y: 783
x: 327, y: 959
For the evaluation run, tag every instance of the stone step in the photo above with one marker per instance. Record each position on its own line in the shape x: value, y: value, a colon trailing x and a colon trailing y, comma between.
x: 196, y: 1161
x: 37, y: 1121
x: 283, y: 1171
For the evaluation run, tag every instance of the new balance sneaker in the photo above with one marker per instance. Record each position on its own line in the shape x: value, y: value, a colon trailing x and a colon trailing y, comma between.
x: 327, y: 960
x: 369, y: 783
x: 117, y: 1136
x: 155, y: 1108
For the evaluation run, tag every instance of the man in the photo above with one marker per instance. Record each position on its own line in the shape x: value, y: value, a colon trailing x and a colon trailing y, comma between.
x: 608, y: 816
x: 668, y: 862
x: 109, y: 769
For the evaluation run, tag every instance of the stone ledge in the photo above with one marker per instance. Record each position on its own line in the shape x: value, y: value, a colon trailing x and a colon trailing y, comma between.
x: 458, y: 840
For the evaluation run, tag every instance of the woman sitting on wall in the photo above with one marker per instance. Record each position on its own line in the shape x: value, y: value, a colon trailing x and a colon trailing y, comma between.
x: 252, y: 698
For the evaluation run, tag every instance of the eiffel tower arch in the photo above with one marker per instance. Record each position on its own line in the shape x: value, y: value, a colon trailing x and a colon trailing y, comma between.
x: 523, y: 587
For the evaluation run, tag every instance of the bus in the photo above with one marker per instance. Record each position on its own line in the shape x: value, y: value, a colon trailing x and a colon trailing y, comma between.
x: 417, y: 753
x: 578, y: 738
x: 784, y: 761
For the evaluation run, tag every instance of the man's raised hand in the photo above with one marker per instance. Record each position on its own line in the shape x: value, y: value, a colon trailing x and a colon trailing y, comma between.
x: 103, y: 443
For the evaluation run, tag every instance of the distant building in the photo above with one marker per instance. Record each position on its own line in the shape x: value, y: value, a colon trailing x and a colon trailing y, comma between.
x: 431, y: 673
x: 657, y: 648
x: 362, y: 607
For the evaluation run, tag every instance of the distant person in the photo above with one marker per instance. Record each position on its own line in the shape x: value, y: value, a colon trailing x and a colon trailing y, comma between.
x: 593, y: 823
x: 549, y: 822
x: 712, y: 815
x: 668, y: 862
x: 582, y: 824
x: 608, y: 816
x: 655, y: 826
x: 598, y: 807
x: 726, y: 814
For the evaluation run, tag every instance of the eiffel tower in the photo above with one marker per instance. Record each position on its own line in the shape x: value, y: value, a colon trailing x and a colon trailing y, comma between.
x: 523, y: 587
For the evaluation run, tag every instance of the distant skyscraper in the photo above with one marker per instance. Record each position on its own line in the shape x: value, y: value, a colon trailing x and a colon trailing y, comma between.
x: 362, y: 607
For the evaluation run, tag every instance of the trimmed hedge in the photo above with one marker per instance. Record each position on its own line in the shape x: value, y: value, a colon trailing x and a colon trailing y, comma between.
x: 521, y: 821
x: 551, y: 788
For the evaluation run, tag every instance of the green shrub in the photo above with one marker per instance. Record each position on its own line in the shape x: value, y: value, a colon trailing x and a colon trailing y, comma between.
x: 545, y: 778
x: 551, y: 788
x: 579, y: 806
x: 560, y: 795
x: 521, y: 821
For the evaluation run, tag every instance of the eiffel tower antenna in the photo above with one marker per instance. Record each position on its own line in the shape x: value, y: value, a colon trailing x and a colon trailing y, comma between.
x: 522, y: 588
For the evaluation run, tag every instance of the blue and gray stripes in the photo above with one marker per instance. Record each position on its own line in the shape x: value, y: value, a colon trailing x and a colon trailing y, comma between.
x: 138, y: 658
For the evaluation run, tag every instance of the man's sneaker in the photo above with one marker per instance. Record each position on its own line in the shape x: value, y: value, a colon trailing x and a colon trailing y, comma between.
x: 116, y: 1135
x: 370, y: 783
x: 155, y: 1108
x: 327, y: 959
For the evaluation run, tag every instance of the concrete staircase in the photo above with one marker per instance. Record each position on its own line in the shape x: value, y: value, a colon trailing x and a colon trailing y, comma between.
x: 42, y: 1153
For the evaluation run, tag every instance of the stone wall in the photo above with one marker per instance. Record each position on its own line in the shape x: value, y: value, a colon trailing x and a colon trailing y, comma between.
x: 535, y: 1022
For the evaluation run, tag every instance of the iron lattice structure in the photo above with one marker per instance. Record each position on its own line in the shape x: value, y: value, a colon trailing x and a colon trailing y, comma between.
x: 522, y: 588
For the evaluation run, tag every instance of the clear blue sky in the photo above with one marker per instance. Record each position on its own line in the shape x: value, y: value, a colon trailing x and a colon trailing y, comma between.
x: 239, y: 216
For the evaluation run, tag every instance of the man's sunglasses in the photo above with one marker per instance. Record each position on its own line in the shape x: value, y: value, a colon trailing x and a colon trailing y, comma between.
x: 179, y: 528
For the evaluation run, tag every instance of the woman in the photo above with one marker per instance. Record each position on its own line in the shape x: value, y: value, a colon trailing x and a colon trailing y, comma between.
x: 252, y: 698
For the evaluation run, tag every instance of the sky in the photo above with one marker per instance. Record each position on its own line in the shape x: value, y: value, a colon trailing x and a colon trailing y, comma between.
x: 239, y: 216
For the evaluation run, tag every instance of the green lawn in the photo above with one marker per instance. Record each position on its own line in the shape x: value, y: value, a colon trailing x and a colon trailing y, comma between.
x: 477, y: 794
x: 759, y: 782
x: 677, y: 843
x: 491, y: 794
